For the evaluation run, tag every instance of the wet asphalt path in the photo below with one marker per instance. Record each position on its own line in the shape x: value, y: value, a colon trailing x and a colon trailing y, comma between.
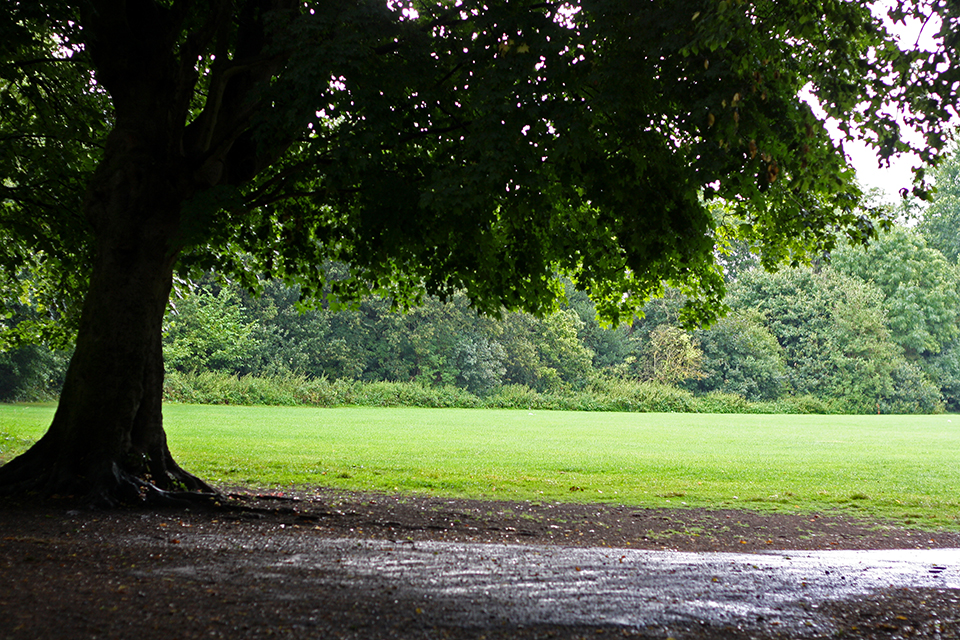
x: 487, y: 586
x: 528, y: 586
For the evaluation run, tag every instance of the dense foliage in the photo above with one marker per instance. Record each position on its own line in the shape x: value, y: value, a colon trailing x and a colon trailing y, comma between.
x: 469, y: 149
x: 941, y: 220
x: 742, y: 356
x: 437, y: 148
x: 836, y: 339
x: 873, y: 331
x: 601, y: 394
x: 836, y: 333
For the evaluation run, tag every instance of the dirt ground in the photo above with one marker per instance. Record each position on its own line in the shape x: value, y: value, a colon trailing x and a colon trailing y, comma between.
x: 66, y: 573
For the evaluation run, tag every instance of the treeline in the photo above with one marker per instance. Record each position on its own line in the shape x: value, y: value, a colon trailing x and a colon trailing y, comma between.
x: 873, y: 331
x: 870, y: 331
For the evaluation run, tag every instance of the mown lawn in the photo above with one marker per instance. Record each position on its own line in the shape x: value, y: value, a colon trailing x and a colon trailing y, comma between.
x: 906, y: 468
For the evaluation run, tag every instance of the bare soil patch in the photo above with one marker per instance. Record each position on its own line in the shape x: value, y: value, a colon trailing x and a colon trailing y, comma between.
x: 68, y: 573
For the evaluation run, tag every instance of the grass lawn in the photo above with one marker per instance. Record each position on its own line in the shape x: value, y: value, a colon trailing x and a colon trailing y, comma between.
x: 906, y: 468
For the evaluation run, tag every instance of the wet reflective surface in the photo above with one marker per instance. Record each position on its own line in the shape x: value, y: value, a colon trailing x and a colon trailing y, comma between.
x: 486, y: 585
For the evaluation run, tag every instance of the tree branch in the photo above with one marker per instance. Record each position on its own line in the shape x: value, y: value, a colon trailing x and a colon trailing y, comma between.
x: 266, y: 189
x: 29, y: 63
x: 194, y: 45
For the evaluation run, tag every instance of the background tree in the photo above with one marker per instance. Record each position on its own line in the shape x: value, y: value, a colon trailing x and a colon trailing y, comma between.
x: 944, y: 370
x: 940, y: 222
x: 311, y: 341
x: 481, y: 363
x: 671, y: 356
x: 921, y: 298
x: 544, y: 354
x: 30, y: 367
x: 741, y: 356
x: 940, y: 227
x: 476, y: 148
x: 835, y: 338
x: 208, y: 331
x: 921, y: 290
x: 609, y: 345
x: 30, y: 372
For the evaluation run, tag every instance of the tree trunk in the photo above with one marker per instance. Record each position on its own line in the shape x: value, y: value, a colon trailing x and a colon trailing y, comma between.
x: 106, y: 443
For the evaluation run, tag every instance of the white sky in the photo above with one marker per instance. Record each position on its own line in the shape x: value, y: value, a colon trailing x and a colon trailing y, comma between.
x: 888, y: 179
x: 898, y: 175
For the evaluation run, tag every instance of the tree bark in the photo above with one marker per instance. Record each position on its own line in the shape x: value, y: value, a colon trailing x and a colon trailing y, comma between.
x: 107, y: 443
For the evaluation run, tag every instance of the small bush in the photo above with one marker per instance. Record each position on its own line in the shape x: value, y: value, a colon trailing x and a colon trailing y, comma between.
x: 514, y: 396
x: 412, y: 394
x: 630, y: 395
x: 211, y: 387
x: 664, y: 399
x: 321, y: 392
x: 806, y: 404
x: 719, y: 402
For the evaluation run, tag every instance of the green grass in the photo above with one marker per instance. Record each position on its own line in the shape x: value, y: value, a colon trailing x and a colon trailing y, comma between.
x: 905, y: 468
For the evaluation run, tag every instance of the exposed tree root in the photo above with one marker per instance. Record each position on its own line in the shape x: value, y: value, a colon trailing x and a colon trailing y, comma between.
x: 262, y: 496
x: 125, y: 488
x: 108, y: 485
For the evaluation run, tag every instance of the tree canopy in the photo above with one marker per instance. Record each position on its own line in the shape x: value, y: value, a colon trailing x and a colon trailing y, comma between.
x: 939, y: 222
x: 435, y: 147
x: 446, y: 147
x: 920, y: 290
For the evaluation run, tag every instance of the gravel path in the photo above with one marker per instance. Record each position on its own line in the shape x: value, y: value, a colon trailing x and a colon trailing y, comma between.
x: 491, y: 586
x: 366, y: 566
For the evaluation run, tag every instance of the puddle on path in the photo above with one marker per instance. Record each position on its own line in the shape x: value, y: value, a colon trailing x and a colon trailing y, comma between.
x: 576, y: 586
x: 481, y: 585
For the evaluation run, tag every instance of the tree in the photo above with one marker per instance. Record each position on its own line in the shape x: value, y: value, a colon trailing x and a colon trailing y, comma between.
x: 208, y: 331
x: 608, y: 344
x: 836, y: 339
x: 434, y: 147
x: 944, y: 370
x: 940, y: 222
x: 921, y: 298
x: 741, y: 356
x: 293, y: 339
x: 671, y: 356
x: 480, y: 361
x: 545, y: 354
x: 29, y: 370
x: 921, y: 289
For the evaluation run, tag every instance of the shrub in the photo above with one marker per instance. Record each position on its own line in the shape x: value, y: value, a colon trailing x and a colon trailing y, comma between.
x: 322, y: 392
x: 413, y: 394
x: 719, y: 402
x: 514, y: 396
x: 32, y: 373
x: 602, y: 394
x: 912, y: 392
x: 806, y: 404
x: 741, y: 356
x: 214, y: 387
x: 629, y: 395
